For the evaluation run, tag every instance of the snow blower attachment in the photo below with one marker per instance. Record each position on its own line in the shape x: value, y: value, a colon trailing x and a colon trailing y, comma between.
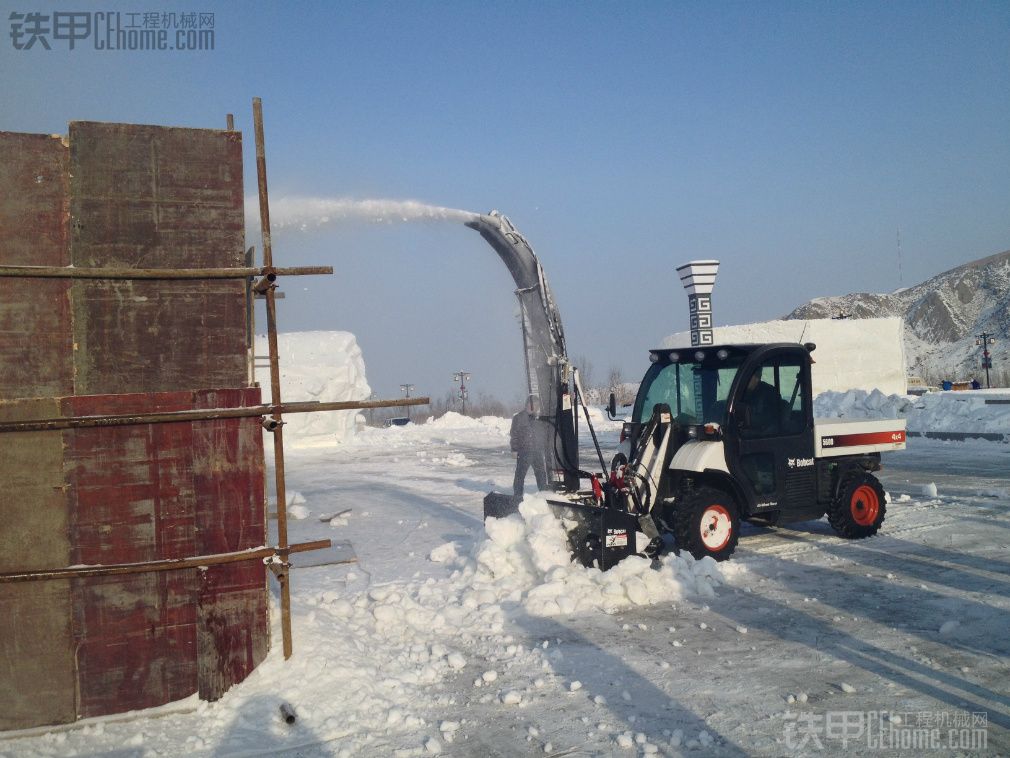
x: 719, y: 434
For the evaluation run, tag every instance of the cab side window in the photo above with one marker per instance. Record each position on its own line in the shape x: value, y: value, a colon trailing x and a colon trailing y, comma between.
x: 773, y: 400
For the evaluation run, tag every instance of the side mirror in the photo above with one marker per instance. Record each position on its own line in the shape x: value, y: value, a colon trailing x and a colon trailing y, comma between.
x: 612, y: 406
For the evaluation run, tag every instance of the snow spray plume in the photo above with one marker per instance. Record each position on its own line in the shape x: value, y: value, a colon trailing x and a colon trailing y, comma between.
x: 306, y: 212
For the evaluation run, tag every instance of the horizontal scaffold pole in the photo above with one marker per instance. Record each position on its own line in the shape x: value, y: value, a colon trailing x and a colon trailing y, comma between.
x: 70, y: 272
x: 199, y: 414
x: 168, y: 564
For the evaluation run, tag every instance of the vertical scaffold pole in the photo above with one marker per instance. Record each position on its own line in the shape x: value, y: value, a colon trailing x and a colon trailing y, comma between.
x: 275, y: 380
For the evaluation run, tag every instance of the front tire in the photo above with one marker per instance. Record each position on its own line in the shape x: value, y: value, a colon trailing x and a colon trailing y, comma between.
x: 859, y: 509
x: 707, y: 523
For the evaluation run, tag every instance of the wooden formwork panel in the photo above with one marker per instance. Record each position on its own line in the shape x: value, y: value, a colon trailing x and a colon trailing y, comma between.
x: 125, y: 196
x: 36, y: 646
x: 233, y: 619
x: 156, y: 491
x: 157, y: 197
x: 36, y: 359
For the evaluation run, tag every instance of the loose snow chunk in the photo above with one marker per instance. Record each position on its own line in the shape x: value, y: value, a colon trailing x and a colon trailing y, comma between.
x: 575, y: 686
x: 512, y: 697
x: 433, y: 746
x: 458, y: 459
x: 742, y: 629
x: 456, y: 661
x: 489, y: 676
x: 847, y: 688
x: 625, y: 740
x: 948, y: 627
x: 298, y: 512
x: 929, y: 490
x: 448, y: 726
x: 443, y: 553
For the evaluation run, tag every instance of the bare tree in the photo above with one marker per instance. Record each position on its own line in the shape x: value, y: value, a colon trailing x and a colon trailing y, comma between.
x: 585, y: 367
x: 622, y: 391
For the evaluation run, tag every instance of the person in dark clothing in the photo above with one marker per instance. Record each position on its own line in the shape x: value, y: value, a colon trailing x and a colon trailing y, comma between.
x: 523, y: 439
x: 766, y: 406
x: 765, y: 415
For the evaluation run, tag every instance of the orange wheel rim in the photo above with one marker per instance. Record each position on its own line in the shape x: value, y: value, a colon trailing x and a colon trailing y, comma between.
x: 716, y: 528
x: 865, y: 505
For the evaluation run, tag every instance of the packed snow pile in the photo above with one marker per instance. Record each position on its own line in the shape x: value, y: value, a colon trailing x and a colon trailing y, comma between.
x: 525, y: 559
x: 961, y: 412
x: 958, y: 412
x: 862, y: 404
x: 321, y: 366
x: 862, y: 354
x: 445, y: 429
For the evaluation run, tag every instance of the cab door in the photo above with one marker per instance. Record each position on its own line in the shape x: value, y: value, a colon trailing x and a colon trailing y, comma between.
x: 770, y: 450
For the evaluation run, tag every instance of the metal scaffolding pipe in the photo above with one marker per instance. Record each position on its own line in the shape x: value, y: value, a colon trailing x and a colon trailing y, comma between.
x: 69, y: 272
x: 198, y: 414
x: 168, y: 564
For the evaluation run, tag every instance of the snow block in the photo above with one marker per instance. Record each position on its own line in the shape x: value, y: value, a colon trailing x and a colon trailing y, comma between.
x: 321, y: 366
x: 864, y: 354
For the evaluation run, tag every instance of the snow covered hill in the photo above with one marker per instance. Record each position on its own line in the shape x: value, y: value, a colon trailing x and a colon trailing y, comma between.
x: 942, y: 316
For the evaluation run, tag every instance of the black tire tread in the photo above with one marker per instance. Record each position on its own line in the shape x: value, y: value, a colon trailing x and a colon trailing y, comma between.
x: 687, y: 517
x: 840, y: 513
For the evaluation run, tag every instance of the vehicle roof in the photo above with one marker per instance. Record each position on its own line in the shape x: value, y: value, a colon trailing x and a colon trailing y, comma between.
x: 741, y: 346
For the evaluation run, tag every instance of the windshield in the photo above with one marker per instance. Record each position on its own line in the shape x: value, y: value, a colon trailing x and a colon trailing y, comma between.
x: 695, y: 391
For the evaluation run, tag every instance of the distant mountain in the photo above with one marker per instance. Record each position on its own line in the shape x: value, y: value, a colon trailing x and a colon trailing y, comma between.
x: 942, y: 316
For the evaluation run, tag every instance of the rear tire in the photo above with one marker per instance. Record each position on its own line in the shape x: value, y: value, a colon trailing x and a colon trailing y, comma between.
x: 859, y: 509
x: 707, y: 522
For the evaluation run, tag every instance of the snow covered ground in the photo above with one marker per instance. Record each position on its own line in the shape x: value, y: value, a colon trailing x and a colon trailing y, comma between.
x: 445, y: 639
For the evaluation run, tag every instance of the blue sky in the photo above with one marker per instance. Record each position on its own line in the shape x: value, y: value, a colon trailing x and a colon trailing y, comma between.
x: 788, y: 140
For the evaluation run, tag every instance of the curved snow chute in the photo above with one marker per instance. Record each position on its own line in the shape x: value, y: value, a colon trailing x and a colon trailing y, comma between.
x: 548, y: 372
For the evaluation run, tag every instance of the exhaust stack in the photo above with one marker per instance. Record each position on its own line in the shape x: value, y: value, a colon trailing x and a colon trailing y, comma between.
x: 698, y: 278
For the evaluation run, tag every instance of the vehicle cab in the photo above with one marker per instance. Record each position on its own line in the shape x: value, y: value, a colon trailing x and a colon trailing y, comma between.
x: 742, y: 415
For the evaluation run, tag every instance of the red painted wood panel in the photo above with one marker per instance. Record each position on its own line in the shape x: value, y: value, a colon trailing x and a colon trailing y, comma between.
x: 228, y: 467
x: 159, y: 491
x: 132, y: 500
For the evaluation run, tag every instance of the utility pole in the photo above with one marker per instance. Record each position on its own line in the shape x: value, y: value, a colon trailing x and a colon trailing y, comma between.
x: 405, y: 389
x: 461, y: 377
x: 900, y: 284
x: 985, y: 339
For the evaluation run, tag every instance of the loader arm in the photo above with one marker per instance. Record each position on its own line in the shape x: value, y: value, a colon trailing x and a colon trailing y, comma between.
x: 644, y: 473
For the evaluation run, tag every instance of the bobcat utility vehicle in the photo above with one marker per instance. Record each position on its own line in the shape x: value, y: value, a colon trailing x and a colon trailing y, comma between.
x: 726, y: 433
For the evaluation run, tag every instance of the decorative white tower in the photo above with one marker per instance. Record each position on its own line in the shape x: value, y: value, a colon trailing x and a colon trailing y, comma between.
x: 698, y: 278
